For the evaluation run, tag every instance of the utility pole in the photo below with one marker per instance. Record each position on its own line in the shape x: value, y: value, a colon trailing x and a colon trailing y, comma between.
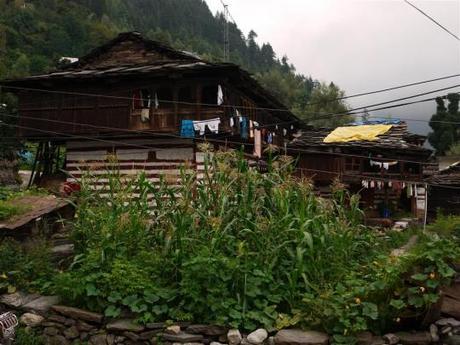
x: 226, y: 33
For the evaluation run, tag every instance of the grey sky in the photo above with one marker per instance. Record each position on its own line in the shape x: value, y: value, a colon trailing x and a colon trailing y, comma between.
x: 361, y: 45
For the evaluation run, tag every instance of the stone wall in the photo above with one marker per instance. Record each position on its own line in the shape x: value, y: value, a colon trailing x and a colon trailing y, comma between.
x: 67, y: 325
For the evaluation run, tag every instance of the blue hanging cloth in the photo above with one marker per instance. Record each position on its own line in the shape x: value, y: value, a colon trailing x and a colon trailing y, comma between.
x: 244, y: 128
x: 186, y: 129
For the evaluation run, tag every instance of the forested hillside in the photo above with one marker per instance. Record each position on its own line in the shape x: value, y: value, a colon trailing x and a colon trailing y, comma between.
x: 34, y: 34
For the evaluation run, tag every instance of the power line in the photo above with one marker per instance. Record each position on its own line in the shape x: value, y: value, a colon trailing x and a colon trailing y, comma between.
x: 433, y: 20
x: 177, y: 136
x: 299, y: 169
x: 323, y: 115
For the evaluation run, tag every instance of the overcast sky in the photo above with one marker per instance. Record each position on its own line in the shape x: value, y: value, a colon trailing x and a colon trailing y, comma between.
x: 361, y: 45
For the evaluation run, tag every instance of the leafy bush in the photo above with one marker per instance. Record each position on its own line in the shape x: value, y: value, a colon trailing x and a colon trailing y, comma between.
x: 243, y: 249
x: 25, y: 266
x: 446, y: 225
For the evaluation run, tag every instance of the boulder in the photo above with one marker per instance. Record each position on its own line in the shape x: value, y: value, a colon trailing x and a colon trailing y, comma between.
x: 83, y: 326
x: 183, y: 338
x: 155, y: 325
x: 391, y: 338
x: 210, y: 330
x: 234, y: 337
x: 434, y: 333
x: 364, y: 338
x: 98, y: 339
x: 416, y: 338
x: 299, y: 337
x: 71, y: 333
x: 51, y: 331
x: 175, y: 329
x: 31, y: 320
x: 124, y: 325
x: 450, y: 306
x: 258, y: 336
x: 41, y: 304
x: 453, y: 339
x: 57, y: 340
x: 17, y: 299
x: 76, y: 313
x: 448, y: 322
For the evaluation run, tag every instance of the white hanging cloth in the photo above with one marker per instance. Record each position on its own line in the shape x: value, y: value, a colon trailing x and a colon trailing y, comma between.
x: 220, y: 95
x: 213, y: 125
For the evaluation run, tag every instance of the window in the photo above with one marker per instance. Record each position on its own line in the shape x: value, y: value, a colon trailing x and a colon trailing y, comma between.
x: 142, y: 99
x: 209, y: 94
x: 165, y: 97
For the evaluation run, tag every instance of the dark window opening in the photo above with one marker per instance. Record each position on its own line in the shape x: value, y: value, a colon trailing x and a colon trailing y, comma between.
x: 165, y: 97
x: 142, y: 99
x: 186, y: 96
x: 209, y: 94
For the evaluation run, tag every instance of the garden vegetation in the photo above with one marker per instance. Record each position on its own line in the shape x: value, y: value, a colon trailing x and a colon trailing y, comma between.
x: 245, y: 249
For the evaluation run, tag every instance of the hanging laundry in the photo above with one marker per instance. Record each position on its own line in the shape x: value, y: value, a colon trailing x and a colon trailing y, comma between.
x: 244, y: 127
x: 270, y: 138
x: 155, y: 101
x: 232, y: 122
x: 409, y: 190
x: 372, y: 184
x: 137, y: 99
x: 146, y: 101
x: 257, y: 143
x: 187, y: 129
x: 145, y: 114
x: 212, y: 125
x: 251, y: 129
x: 284, y: 131
x: 220, y: 95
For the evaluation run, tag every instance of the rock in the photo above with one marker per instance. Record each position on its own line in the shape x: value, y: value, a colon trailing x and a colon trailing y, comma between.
x: 71, y: 333
x: 434, y: 333
x: 84, y: 336
x: 182, y: 338
x: 57, y: 340
x: 98, y: 339
x: 299, y: 337
x: 110, y: 339
x: 206, y: 330
x: 186, y: 343
x: 155, y: 325
x: 448, y: 322
x: 131, y: 335
x: 391, y: 338
x: 70, y: 322
x: 364, y: 338
x: 41, y: 304
x: 173, y: 329
x: 378, y: 341
x: 80, y: 314
x: 57, y: 318
x: 119, y: 339
x: 83, y: 326
x: 450, y: 306
x: 17, y: 299
x: 417, y: 338
x: 51, y: 331
x: 452, y: 340
x: 271, y: 341
x: 53, y: 324
x: 446, y: 329
x: 149, y: 334
x: 216, y: 343
x: 31, y: 320
x: 234, y: 337
x: 62, y: 250
x: 258, y: 336
x: 122, y: 325
x: 223, y: 339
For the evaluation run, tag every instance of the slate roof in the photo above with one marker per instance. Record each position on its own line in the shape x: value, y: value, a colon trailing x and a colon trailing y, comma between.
x: 398, y: 139
x: 448, y: 176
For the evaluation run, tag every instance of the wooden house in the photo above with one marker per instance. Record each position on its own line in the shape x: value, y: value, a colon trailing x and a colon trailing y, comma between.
x: 148, y: 105
x: 444, y: 193
x: 388, y: 171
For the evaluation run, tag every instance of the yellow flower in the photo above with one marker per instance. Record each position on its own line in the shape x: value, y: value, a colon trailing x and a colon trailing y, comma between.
x: 358, y: 300
x: 432, y: 275
x: 422, y: 289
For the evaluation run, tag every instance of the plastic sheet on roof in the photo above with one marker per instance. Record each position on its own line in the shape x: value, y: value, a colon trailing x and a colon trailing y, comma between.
x: 356, y: 133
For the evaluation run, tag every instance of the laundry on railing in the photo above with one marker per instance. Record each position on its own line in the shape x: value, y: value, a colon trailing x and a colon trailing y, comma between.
x: 384, y: 165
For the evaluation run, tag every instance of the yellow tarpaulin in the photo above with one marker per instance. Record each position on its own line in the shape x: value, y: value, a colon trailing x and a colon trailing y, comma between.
x: 356, y: 133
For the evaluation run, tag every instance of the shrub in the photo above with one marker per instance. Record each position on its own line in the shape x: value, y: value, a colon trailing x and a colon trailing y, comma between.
x: 239, y: 248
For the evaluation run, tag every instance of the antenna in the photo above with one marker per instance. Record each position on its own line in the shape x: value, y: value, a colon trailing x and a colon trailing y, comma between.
x: 226, y: 32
